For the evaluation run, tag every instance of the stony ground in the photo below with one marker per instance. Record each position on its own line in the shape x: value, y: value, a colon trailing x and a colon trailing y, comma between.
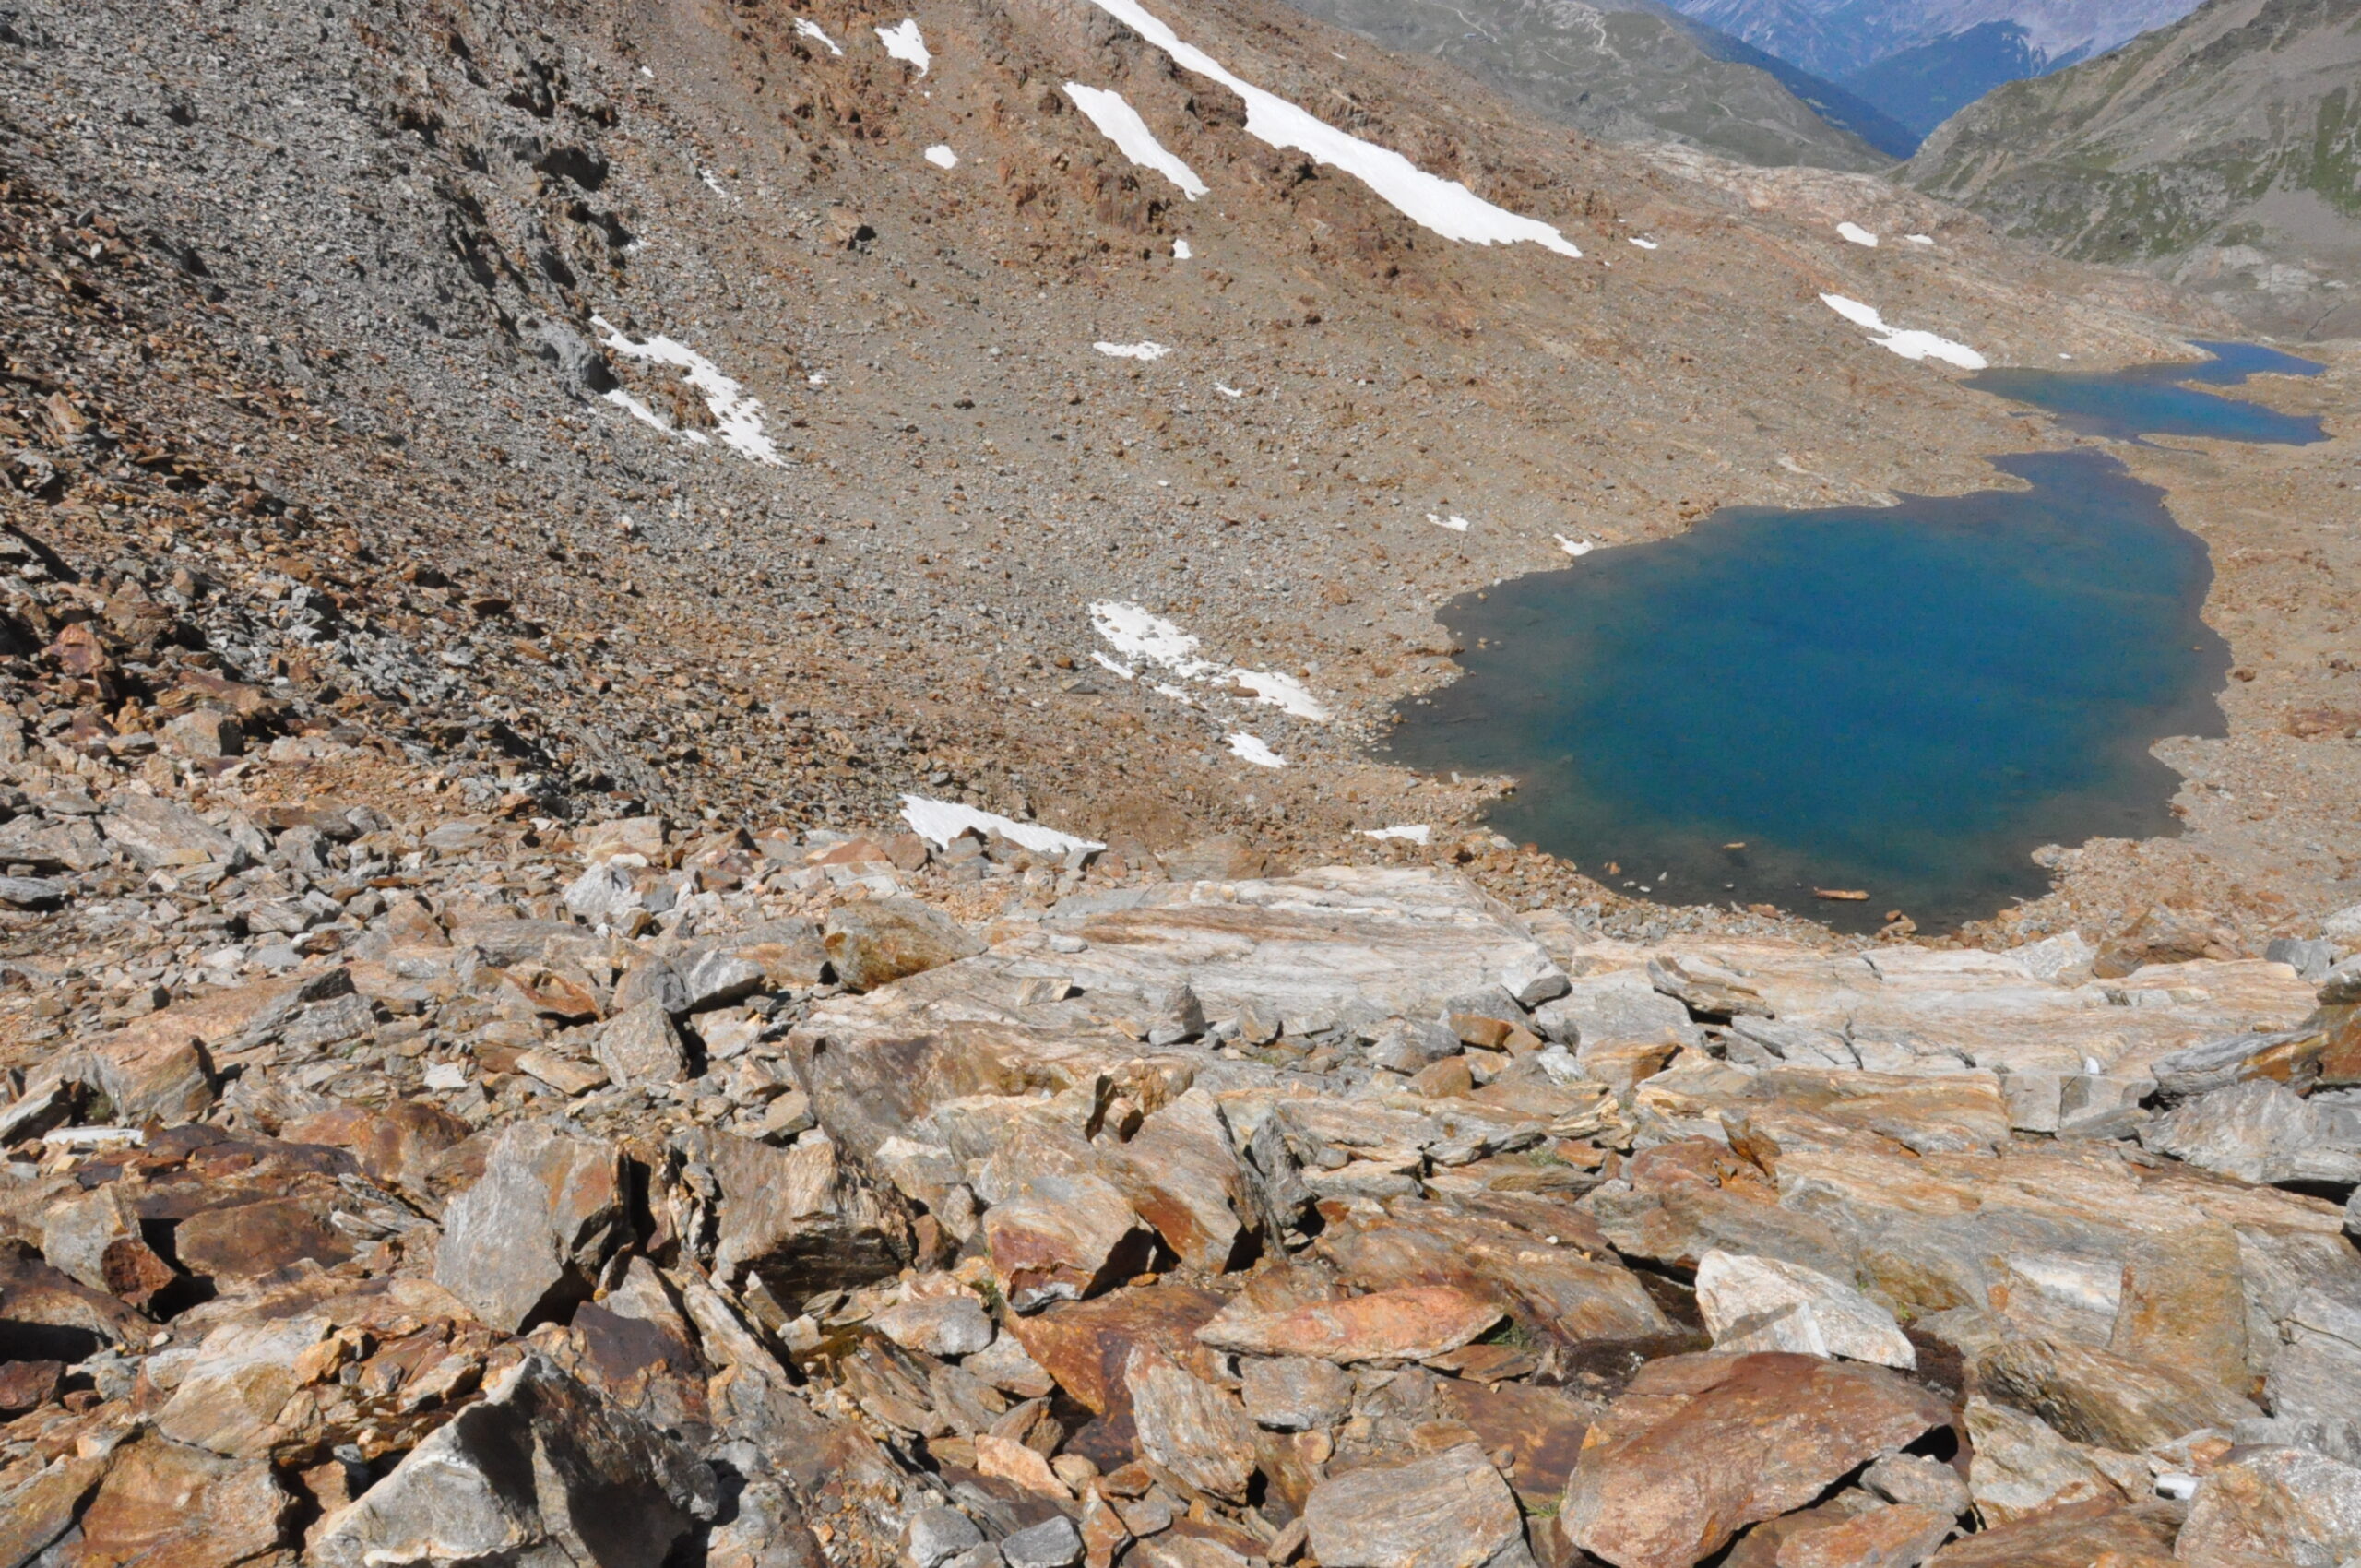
x: 486, y: 1075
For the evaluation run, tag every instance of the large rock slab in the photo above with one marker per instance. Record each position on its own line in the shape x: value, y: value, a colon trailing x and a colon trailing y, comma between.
x: 876, y: 942
x: 1405, y: 1324
x: 1700, y: 1447
x: 2021, y: 1467
x: 1197, y: 1431
x: 1449, y: 1511
x: 799, y: 1217
x: 2282, y: 1504
x: 2259, y: 1132
x: 2082, y: 1535
x: 540, y: 1470
x: 1753, y: 1303
x: 1062, y: 1237
x: 526, y: 1240
x: 2096, y: 1396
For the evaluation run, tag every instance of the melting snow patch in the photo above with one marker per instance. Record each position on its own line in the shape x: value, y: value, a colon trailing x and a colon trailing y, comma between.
x: 1416, y: 832
x: 636, y: 409
x: 1248, y: 748
x: 1920, y: 239
x: 713, y: 183
x: 1910, y: 345
x: 811, y: 29
x: 1146, y: 638
x: 739, y: 417
x: 1446, y: 207
x: 1180, y: 251
x: 1227, y: 391
x: 1575, y: 547
x: 1117, y: 666
x: 1456, y: 525
x: 1120, y: 123
x: 941, y: 157
x: 939, y: 822
x: 1282, y: 690
x: 1645, y: 244
x: 1132, y: 351
x: 903, y: 42
x: 1857, y: 235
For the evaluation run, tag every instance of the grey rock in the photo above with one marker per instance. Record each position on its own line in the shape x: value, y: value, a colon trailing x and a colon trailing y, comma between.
x: 715, y: 979
x: 2259, y: 1132
x: 654, y: 980
x: 1618, y: 1008
x: 937, y: 1325
x: 2280, y: 1504
x: 931, y: 1536
x: 2311, y: 959
x: 540, y: 1470
x: 157, y: 833
x: 601, y: 894
x: 1053, y: 1543
x: 528, y: 1239
x: 2342, y: 985
x: 32, y: 892
x: 641, y: 1046
x: 1534, y: 980
x: 1178, y: 1016
x: 1450, y: 1510
x: 1295, y: 1392
x: 1915, y: 1479
x: 1412, y: 1043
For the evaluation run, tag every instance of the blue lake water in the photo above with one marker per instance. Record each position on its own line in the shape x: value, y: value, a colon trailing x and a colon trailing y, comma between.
x: 1905, y: 701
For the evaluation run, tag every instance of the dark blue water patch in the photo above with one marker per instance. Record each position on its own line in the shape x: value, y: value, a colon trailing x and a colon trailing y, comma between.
x: 2165, y: 400
x: 1903, y: 701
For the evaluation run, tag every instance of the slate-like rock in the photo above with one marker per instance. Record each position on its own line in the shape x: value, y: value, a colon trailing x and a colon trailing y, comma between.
x: 2081, y: 1535
x: 937, y: 1325
x: 1294, y: 1393
x: 2092, y: 1395
x: 1752, y: 1304
x: 2020, y: 1466
x: 1062, y: 1237
x: 873, y: 944
x: 640, y: 1046
x: 169, y: 1504
x: 1192, y: 1429
x: 540, y: 1470
x: 528, y: 1239
x: 1700, y: 1446
x: 1452, y: 1509
x: 1901, y: 1537
x: 2283, y: 1504
x: 1404, y: 1324
x: 799, y: 1217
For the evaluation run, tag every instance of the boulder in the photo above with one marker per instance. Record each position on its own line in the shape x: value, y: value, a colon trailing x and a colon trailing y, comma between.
x: 2096, y: 1396
x: 2081, y: 1535
x: 799, y: 1217
x: 2258, y: 1131
x: 873, y: 944
x: 1752, y: 1304
x: 937, y: 1325
x: 1405, y: 1325
x: 1294, y: 1393
x: 168, y: 1503
x: 1188, y: 1426
x: 1450, y: 1510
x: 156, y: 833
x: 1179, y: 1175
x: 1700, y: 1446
x: 640, y: 1046
x: 525, y: 1242
x: 1902, y: 1536
x: 2021, y: 1466
x: 2282, y: 1504
x: 541, y: 1469
x: 1062, y: 1237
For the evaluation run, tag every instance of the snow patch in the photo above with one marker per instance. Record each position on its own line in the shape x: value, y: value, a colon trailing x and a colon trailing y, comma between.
x: 811, y: 29
x: 1920, y: 239
x: 713, y: 183
x: 939, y: 822
x: 1227, y: 391
x: 1910, y: 344
x: 1282, y: 690
x: 1455, y: 524
x: 904, y: 42
x: 1574, y: 547
x: 1248, y: 748
x: 637, y: 409
x: 1145, y: 638
x: 1115, y: 666
x: 1414, y: 832
x: 739, y: 417
x: 1446, y: 207
x: 1180, y: 251
x: 1120, y: 123
x: 941, y: 157
x: 1645, y: 244
x: 1132, y: 351
x: 1857, y: 235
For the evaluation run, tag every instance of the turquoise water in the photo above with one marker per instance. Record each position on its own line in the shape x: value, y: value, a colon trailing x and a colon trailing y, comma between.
x: 1903, y: 701
x: 2160, y: 401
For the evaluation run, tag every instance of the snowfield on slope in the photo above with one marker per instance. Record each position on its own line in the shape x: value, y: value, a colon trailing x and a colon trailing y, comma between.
x: 1910, y: 344
x: 1120, y: 123
x: 904, y: 42
x: 939, y: 822
x: 1143, y: 637
x: 738, y: 417
x: 1444, y: 205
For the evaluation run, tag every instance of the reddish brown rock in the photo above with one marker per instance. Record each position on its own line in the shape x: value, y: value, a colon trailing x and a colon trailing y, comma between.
x: 1902, y: 1536
x: 1085, y: 1345
x: 1700, y: 1446
x: 2080, y: 1534
x: 1062, y: 1237
x: 246, y: 1240
x: 883, y: 940
x: 1422, y: 1319
x: 2092, y: 1395
x: 170, y: 1506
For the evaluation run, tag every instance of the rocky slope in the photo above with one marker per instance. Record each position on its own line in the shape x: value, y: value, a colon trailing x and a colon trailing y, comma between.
x: 1625, y: 73
x: 2219, y: 152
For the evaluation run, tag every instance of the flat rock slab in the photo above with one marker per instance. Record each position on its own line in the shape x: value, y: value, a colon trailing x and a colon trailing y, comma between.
x: 1700, y: 1447
x: 1405, y: 1324
x: 1450, y: 1511
x: 1752, y: 1303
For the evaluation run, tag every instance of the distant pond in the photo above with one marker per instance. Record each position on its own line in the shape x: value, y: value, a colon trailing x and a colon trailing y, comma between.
x: 1900, y: 701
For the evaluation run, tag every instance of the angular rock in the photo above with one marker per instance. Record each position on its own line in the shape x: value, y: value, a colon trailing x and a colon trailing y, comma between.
x: 159, y: 834
x: 1062, y: 1237
x: 799, y: 1219
x: 1294, y: 1393
x: 1700, y: 1447
x: 246, y: 1240
x: 1752, y: 1304
x: 1901, y: 1537
x: 641, y: 1046
x: 2259, y: 1132
x: 932, y: 1536
x: 169, y: 1504
x: 873, y: 944
x: 2283, y: 1504
x: 1053, y: 1543
x: 2092, y: 1395
x: 937, y: 1325
x: 1914, y: 1479
x: 2081, y: 1535
x: 1179, y: 1174
x: 1452, y: 1509
x: 1191, y: 1428
x: 2021, y: 1466
x: 1534, y: 980
x: 526, y: 1240
x: 1707, y: 987
x: 1403, y: 1324
x: 541, y: 1469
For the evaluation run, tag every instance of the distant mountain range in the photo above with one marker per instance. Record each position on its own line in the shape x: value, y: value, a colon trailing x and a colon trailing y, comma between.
x: 1631, y: 70
x: 2223, y: 152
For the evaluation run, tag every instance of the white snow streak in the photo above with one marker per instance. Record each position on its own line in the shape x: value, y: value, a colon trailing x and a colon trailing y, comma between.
x: 1180, y: 251
x: 1574, y: 547
x: 1857, y: 235
x: 903, y: 42
x: 1416, y: 832
x: 1282, y: 690
x: 941, y: 157
x: 1645, y: 244
x: 1227, y: 391
x: 1455, y: 524
x: 637, y: 409
x: 1446, y: 207
x: 1145, y: 638
x: 1125, y: 671
x: 1132, y: 351
x: 713, y: 183
x: 811, y: 29
x: 939, y: 822
x: 740, y: 418
x: 1909, y: 344
x: 1248, y: 748
x: 1920, y: 239
x: 1120, y: 123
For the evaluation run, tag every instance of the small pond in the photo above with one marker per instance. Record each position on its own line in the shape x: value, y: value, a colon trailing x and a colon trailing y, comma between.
x: 1900, y: 701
